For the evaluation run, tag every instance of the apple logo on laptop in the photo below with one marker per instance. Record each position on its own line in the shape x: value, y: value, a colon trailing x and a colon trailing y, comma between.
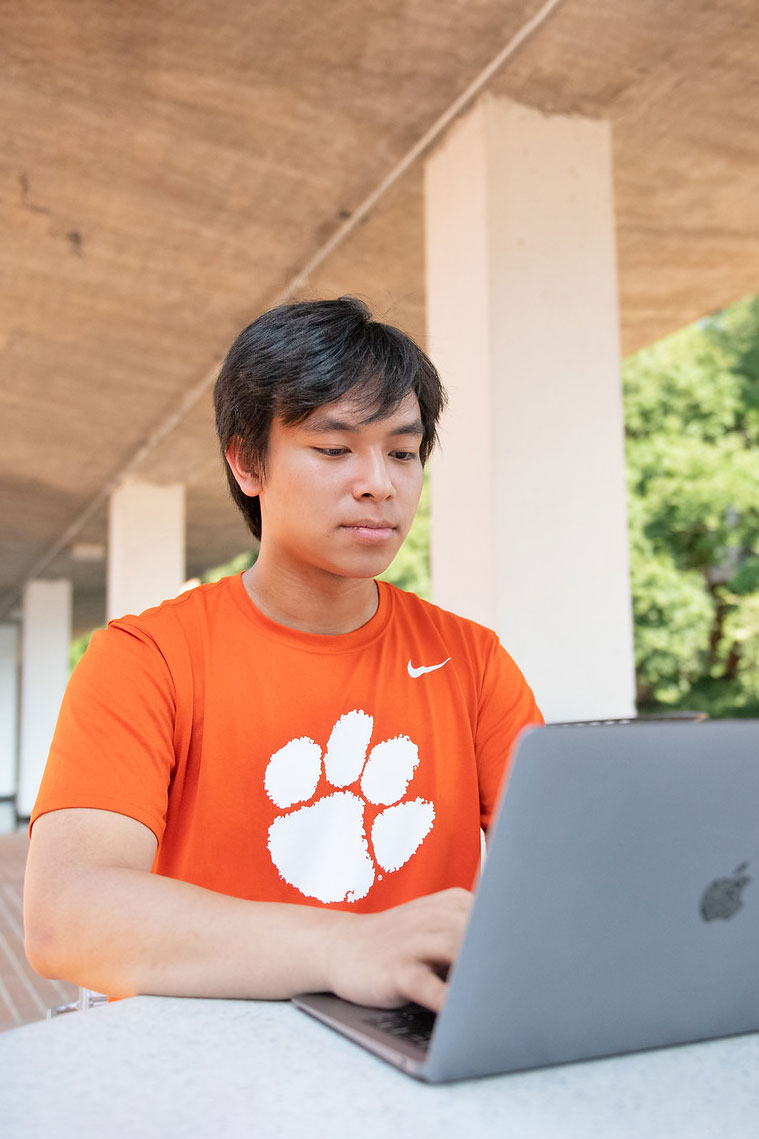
x: 722, y: 898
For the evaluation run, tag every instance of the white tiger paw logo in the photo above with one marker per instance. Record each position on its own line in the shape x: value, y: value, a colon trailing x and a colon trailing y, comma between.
x: 322, y: 848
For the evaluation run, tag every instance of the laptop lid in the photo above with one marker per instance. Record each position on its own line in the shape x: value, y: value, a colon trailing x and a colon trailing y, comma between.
x: 617, y: 908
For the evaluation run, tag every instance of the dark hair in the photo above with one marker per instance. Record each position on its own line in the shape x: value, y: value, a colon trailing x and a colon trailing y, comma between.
x: 298, y: 357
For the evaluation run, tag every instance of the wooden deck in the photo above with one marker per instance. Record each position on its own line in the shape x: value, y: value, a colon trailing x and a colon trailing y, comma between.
x: 24, y: 996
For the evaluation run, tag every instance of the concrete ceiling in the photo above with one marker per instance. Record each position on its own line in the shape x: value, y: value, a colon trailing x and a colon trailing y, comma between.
x: 169, y: 170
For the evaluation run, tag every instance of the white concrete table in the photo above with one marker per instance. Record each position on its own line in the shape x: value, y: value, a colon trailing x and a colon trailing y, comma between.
x: 159, y: 1067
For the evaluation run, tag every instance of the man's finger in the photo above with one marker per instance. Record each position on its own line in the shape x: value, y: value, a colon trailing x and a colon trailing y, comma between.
x: 423, y: 986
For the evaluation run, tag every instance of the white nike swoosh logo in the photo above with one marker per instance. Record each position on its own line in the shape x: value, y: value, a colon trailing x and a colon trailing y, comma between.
x: 425, y: 668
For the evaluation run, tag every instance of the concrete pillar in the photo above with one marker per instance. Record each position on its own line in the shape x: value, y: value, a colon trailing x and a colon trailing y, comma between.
x: 45, y: 642
x: 8, y: 717
x: 528, y: 491
x: 146, y: 549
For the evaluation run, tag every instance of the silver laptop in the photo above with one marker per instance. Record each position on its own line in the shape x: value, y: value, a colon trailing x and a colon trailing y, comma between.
x: 618, y: 908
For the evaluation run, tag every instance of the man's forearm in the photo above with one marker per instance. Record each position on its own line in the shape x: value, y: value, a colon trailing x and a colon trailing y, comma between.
x: 125, y: 931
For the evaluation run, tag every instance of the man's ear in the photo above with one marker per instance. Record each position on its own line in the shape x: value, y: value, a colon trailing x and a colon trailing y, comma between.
x: 249, y: 481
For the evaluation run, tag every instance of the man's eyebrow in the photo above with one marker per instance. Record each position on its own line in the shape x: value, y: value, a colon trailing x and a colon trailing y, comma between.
x: 413, y: 427
x: 321, y: 423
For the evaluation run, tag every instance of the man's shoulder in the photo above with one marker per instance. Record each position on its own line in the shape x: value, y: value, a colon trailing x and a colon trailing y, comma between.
x: 171, y: 637
x: 184, y: 607
x: 182, y: 618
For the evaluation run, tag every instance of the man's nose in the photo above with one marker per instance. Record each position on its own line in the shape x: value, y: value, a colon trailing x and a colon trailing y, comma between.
x: 373, y: 479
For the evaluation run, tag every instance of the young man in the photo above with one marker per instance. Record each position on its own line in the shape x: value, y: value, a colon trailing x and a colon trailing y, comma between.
x: 275, y: 784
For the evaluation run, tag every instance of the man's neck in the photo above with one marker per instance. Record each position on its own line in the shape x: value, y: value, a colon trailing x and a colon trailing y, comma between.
x: 325, y: 604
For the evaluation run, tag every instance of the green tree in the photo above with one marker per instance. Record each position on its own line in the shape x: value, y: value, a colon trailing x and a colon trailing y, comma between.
x: 692, y: 427
x: 410, y: 568
x: 672, y: 617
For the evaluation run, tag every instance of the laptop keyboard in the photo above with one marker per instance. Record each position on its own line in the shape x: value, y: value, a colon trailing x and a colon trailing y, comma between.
x: 412, y: 1023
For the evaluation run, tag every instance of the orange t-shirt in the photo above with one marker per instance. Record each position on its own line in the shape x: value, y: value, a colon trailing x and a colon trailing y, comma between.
x: 272, y: 764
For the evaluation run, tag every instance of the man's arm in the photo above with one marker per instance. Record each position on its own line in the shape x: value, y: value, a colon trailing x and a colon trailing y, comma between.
x: 97, y: 916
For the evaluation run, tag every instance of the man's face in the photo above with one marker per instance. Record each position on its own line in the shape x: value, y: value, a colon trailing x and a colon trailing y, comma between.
x: 340, y: 494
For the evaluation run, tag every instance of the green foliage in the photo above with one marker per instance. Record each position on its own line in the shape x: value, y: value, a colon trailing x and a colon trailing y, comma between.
x: 718, y: 698
x: 736, y: 331
x: 77, y: 649
x: 410, y: 568
x: 746, y: 577
x: 692, y: 427
x: 672, y: 619
x: 741, y: 630
x: 238, y: 564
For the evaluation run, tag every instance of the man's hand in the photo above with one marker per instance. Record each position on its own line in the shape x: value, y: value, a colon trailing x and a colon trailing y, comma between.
x: 401, y: 954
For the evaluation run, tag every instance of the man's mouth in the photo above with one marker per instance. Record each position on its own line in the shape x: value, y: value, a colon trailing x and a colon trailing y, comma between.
x: 370, y: 529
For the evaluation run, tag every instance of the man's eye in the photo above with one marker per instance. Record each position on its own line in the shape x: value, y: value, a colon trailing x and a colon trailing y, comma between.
x: 404, y: 456
x: 331, y: 452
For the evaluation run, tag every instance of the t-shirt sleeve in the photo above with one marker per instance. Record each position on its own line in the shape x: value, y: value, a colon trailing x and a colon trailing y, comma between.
x: 114, y: 743
x: 506, y: 706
